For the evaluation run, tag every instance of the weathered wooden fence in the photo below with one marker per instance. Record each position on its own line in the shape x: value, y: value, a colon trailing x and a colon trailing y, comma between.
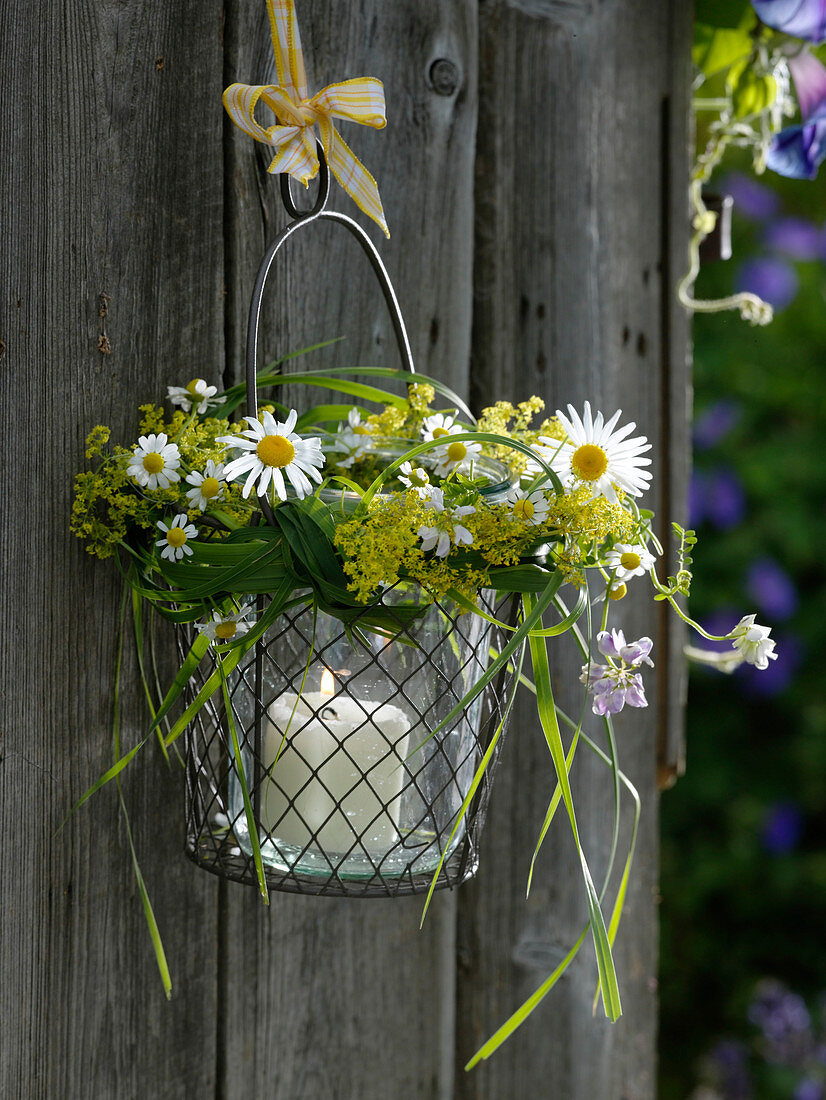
x: 533, y: 173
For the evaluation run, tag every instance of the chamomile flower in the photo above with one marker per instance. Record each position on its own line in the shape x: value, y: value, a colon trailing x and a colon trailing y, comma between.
x: 353, y: 440
x: 273, y: 449
x: 176, y: 536
x: 437, y: 425
x: 208, y: 486
x: 454, y: 456
x: 154, y: 463
x: 596, y: 456
x: 417, y: 479
x: 531, y: 508
x: 445, y: 530
x: 752, y: 642
x: 627, y: 561
x: 196, y: 393
x: 222, y: 628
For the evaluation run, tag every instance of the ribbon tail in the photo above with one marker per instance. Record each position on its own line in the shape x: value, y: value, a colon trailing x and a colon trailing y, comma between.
x: 286, y: 45
x: 359, y: 100
x: 351, y: 174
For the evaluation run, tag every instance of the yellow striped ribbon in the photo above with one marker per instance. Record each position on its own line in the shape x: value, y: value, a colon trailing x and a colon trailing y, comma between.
x: 360, y: 100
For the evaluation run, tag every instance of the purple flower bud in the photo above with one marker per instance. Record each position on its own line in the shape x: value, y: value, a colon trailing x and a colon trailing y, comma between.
x: 802, y: 18
x: 772, y: 279
x: 636, y: 653
x: 610, y: 643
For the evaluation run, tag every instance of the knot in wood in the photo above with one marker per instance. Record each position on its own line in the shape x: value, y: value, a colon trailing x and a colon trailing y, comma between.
x: 444, y: 76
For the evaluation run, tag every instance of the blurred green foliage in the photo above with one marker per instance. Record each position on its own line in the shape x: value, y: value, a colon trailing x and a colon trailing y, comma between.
x: 740, y: 902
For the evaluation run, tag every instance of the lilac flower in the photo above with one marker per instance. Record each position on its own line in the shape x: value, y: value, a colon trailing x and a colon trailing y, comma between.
x: 618, y: 682
x: 771, y: 588
x: 781, y: 828
x: 802, y: 18
x: 770, y: 278
x: 714, y: 423
x: 752, y: 199
x: 797, y: 237
x: 798, y: 151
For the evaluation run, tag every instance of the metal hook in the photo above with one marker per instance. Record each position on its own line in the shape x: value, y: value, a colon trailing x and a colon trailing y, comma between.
x: 323, y: 189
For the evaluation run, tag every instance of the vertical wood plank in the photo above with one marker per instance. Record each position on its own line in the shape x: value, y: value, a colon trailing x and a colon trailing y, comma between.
x: 107, y: 186
x: 572, y: 289
x: 349, y: 998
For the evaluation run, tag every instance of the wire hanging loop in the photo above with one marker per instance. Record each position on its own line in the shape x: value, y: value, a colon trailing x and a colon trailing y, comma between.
x: 322, y: 195
x: 318, y: 212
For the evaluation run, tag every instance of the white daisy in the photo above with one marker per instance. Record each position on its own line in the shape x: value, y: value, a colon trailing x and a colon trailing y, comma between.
x: 273, y: 449
x: 353, y: 440
x: 440, y: 535
x: 208, y: 487
x: 154, y: 463
x: 629, y: 561
x: 529, y: 507
x: 221, y: 628
x: 176, y: 536
x: 196, y: 393
x: 417, y: 479
x: 455, y: 456
x: 596, y: 456
x: 437, y: 425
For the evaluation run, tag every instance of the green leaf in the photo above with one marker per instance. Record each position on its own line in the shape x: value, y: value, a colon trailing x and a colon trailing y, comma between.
x: 715, y: 49
x: 722, y: 13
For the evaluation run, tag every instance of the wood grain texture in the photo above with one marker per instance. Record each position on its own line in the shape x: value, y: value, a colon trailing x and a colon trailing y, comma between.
x: 104, y: 191
x: 345, y: 998
x: 572, y: 292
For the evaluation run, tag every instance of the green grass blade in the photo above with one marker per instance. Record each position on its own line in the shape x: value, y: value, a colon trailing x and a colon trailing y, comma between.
x: 550, y: 726
x: 252, y: 827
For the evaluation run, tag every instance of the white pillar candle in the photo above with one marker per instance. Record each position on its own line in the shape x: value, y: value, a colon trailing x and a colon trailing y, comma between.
x: 356, y: 749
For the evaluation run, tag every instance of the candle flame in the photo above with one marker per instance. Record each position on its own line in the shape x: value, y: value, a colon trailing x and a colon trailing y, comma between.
x: 328, y: 684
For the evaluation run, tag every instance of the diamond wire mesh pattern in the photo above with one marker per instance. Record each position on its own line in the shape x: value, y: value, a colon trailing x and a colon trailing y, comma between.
x: 351, y: 793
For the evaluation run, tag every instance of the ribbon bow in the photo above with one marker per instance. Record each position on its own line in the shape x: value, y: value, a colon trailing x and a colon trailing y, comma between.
x: 360, y: 100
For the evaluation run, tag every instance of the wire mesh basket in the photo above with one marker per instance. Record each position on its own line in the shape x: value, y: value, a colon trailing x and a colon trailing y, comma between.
x: 352, y: 792
x: 356, y: 765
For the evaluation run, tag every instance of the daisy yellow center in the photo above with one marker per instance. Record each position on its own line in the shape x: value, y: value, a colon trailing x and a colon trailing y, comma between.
x: 617, y: 592
x: 192, y: 387
x: 226, y: 630
x: 438, y: 432
x: 456, y: 452
x: 524, y: 508
x: 153, y: 463
x: 361, y: 430
x: 589, y: 462
x: 275, y: 450
x: 630, y: 560
x: 176, y: 536
x: 210, y: 487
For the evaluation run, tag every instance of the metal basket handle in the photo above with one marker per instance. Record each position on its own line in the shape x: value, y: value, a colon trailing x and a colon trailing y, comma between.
x: 301, y: 218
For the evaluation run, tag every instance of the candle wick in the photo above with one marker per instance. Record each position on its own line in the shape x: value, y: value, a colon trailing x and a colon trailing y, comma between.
x: 332, y: 710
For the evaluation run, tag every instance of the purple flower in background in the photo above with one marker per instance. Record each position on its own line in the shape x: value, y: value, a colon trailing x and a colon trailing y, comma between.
x: 724, y: 502
x: 697, y: 499
x: 798, y: 151
x: 751, y: 199
x: 781, y: 828
x: 772, y: 279
x: 771, y: 588
x: 783, y: 1018
x: 802, y: 18
x: 797, y: 237
x: 730, y: 1067
x: 767, y: 682
x: 719, y: 622
x: 714, y: 423
x: 808, y: 1089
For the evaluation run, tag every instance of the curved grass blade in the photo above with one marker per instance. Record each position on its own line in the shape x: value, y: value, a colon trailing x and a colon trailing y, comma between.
x: 252, y: 828
x: 137, y: 623
x: 550, y: 726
